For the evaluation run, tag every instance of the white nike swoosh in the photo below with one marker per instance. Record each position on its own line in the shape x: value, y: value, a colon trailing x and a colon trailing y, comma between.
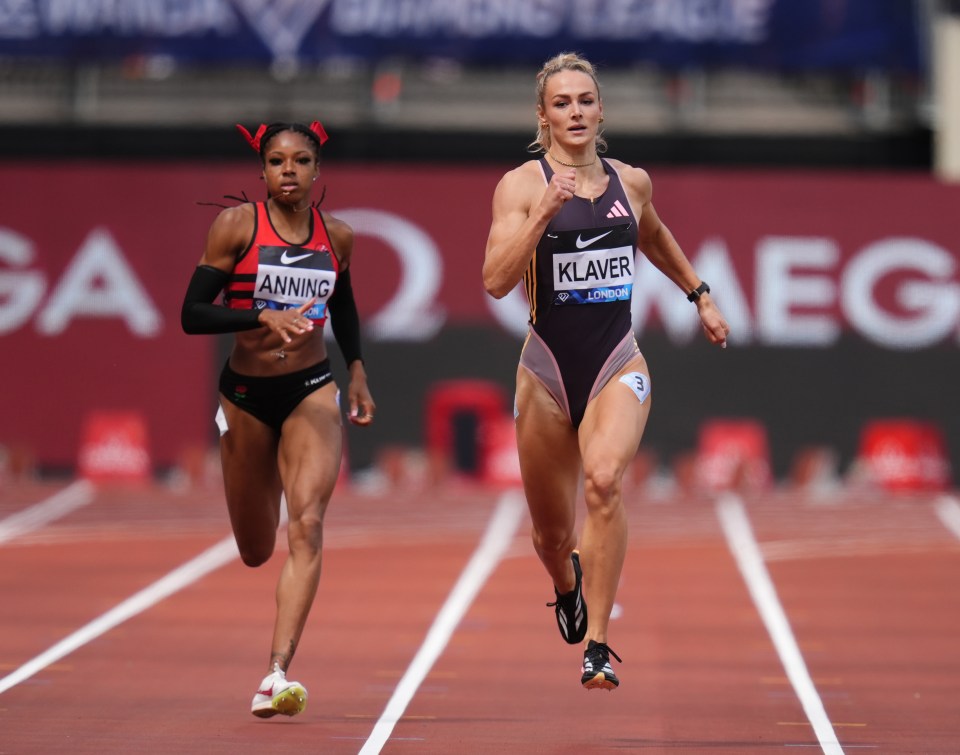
x: 290, y: 260
x: 581, y: 243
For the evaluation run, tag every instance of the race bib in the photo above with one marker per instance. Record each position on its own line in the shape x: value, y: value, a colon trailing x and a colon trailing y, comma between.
x: 593, y: 276
x: 288, y: 277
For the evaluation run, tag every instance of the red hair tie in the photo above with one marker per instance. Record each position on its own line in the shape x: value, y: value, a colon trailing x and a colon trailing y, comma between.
x: 317, y: 128
x: 253, y: 141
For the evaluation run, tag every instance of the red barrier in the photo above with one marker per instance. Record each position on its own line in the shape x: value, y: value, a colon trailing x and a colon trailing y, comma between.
x: 905, y: 455
x: 502, y: 463
x: 733, y: 454
x: 478, y: 407
x: 114, y: 447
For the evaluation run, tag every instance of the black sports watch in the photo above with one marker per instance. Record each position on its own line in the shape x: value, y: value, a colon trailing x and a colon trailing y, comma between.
x: 703, y: 288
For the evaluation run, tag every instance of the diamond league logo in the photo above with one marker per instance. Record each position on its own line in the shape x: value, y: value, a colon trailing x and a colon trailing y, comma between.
x: 281, y: 24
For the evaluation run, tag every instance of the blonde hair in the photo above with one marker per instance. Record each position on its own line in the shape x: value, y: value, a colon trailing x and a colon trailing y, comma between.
x: 565, y: 61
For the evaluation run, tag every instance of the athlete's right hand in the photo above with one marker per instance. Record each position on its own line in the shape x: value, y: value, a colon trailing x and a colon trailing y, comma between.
x: 288, y: 322
x: 560, y: 190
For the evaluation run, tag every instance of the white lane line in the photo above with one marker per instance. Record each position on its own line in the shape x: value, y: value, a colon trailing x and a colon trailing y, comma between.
x: 72, y: 497
x: 496, y: 541
x: 211, y: 559
x: 948, y: 509
x: 746, y: 551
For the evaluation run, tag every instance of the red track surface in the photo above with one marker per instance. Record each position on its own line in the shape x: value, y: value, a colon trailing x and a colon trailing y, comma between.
x: 869, y: 588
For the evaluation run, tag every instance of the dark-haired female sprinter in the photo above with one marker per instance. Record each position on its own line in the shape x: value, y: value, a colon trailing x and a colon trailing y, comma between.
x: 568, y: 224
x: 282, y: 266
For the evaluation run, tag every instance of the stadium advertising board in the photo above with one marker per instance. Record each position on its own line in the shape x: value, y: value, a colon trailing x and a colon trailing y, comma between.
x: 849, y: 35
x: 92, y: 276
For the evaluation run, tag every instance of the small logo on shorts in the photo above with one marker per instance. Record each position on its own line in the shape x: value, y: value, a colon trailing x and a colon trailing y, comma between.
x: 316, y: 380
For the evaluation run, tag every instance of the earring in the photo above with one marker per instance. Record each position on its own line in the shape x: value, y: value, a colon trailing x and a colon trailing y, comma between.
x: 601, y: 119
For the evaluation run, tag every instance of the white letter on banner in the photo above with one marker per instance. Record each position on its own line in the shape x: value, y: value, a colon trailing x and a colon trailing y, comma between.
x: 652, y: 289
x: 936, y: 301
x: 477, y: 20
x: 350, y: 18
x: 780, y: 288
x: 19, y: 20
x: 540, y: 18
x: 200, y: 16
x: 413, y: 314
x: 99, y: 283
x: 585, y: 19
x: 714, y: 264
x: 751, y: 20
x: 19, y: 292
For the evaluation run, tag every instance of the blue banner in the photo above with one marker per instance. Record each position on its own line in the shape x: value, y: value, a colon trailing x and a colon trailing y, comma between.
x: 772, y: 34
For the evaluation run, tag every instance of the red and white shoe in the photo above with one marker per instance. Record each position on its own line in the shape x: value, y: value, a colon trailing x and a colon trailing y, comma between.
x: 277, y: 695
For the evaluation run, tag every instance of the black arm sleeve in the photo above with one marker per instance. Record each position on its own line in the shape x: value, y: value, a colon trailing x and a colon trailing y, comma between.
x: 199, y: 315
x: 344, y: 319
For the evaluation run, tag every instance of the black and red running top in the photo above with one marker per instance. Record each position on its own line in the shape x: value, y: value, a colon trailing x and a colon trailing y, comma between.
x: 272, y: 273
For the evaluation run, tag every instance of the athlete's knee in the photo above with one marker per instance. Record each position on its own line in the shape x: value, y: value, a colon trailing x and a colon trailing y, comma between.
x: 602, y: 480
x: 553, y: 539
x: 255, y: 554
x: 305, y: 531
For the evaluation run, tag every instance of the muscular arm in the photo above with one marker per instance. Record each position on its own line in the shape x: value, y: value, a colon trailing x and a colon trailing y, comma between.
x: 653, y: 237
x: 661, y: 248
x: 345, y: 322
x: 341, y: 236
x: 344, y: 319
x: 228, y: 236
x: 521, y: 211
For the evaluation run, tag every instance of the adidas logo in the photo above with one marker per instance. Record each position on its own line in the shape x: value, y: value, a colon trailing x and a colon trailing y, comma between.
x: 617, y: 211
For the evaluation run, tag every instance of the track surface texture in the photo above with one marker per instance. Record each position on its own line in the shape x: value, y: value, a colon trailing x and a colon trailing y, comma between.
x: 774, y: 623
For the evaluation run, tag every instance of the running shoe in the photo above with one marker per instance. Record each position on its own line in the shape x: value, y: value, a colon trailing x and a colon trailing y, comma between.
x: 277, y: 695
x: 597, y: 672
x: 570, y: 608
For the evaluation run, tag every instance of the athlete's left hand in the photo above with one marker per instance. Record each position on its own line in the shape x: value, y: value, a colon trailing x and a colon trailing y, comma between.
x: 714, y: 325
x: 361, y: 403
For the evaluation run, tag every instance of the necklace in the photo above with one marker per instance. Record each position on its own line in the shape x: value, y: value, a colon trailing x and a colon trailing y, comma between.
x: 294, y: 208
x: 574, y: 165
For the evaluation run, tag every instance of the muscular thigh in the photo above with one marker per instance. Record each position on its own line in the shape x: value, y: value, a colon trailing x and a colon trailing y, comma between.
x: 248, y: 453
x: 547, y: 444
x: 310, y: 449
x: 615, y: 419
